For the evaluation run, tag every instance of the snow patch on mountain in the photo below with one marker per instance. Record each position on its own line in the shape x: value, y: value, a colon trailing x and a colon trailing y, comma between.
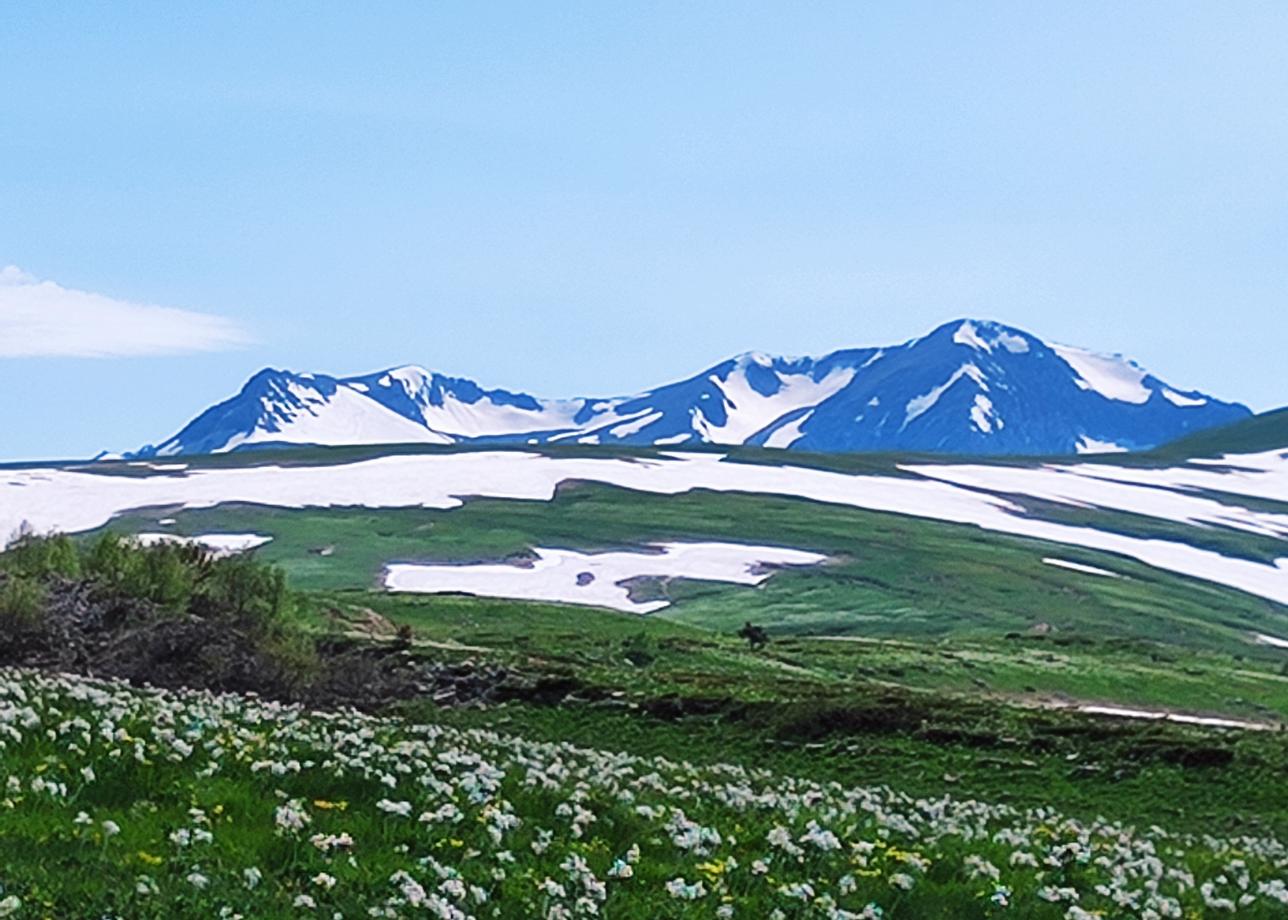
x: 1090, y: 445
x: 920, y: 405
x: 1179, y: 399
x: 970, y: 334
x: 750, y: 409
x: 462, y: 409
x: 983, y: 415
x: 787, y: 433
x: 1112, y: 376
x: 344, y: 417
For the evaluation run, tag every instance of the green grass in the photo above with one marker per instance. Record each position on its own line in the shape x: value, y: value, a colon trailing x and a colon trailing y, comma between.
x: 594, y: 645
x: 891, y: 575
x: 882, y: 711
x: 1262, y: 432
x: 126, y: 803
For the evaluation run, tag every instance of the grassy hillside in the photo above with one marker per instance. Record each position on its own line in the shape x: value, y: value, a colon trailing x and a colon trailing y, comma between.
x: 1265, y: 431
x: 890, y: 575
x: 523, y: 751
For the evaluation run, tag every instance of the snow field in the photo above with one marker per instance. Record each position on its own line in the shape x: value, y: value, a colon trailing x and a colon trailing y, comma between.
x: 79, y: 500
x: 597, y: 579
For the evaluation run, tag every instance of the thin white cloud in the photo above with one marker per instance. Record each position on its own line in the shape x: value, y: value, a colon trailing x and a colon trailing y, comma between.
x: 44, y: 319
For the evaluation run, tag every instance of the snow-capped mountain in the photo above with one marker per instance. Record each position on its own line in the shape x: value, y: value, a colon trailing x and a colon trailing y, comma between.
x: 969, y: 387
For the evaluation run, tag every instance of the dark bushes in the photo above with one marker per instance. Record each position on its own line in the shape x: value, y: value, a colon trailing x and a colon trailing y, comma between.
x: 182, y: 614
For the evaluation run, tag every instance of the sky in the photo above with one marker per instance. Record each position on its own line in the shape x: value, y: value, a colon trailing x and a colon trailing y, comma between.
x: 595, y: 198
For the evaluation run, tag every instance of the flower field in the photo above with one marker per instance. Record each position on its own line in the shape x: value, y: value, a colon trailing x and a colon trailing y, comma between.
x: 123, y: 802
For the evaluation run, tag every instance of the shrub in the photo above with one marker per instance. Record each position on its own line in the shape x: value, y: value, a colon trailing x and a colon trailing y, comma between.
x: 22, y: 603
x: 114, y: 562
x: 168, y: 576
x: 247, y: 590
x: 180, y: 578
x: 292, y: 655
x: 35, y: 556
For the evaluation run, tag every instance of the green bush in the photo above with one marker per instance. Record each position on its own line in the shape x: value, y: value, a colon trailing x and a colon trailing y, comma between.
x: 114, y: 563
x: 39, y: 557
x: 168, y: 576
x: 179, y: 578
x: 292, y: 654
x: 247, y: 590
x: 22, y: 603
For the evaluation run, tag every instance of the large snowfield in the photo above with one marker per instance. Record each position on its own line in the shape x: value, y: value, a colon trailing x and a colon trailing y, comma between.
x: 76, y: 500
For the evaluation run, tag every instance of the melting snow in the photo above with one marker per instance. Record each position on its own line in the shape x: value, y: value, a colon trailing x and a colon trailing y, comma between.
x: 787, y: 435
x: 345, y: 418
x: 1016, y: 344
x: 749, y: 411
x: 221, y: 544
x: 969, y: 334
x: 1161, y: 715
x: 1263, y: 475
x: 1079, y: 567
x: 1184, y: 402
x: 1272, y: 640
x: 923, y: 403
x: 1112, y: 376
x: 597, y: 579
x: 643, y: 420
x: 982, y: 415
x: 1082, y: 485
x: 1090, y: 445
x: 483, y: 417
x: 75, y: 500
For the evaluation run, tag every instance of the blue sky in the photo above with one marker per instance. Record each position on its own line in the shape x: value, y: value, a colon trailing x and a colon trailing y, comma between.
x: 593, y: 198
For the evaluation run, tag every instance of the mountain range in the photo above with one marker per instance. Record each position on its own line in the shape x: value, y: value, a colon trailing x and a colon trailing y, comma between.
x: 968, y: 387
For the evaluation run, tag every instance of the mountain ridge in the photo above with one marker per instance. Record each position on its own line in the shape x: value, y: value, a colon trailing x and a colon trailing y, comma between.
x: 967, y: 387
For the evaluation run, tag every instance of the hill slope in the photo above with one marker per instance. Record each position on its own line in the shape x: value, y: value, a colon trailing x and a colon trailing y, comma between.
x: 1266, y: 431
x: 1188, y: 553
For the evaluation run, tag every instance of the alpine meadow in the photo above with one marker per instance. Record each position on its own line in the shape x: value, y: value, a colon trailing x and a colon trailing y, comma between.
x: 644, y: 462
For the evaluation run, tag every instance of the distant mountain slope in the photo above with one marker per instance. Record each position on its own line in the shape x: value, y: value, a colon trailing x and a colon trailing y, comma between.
x: 1262, y: 432
x: 969, y: 387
